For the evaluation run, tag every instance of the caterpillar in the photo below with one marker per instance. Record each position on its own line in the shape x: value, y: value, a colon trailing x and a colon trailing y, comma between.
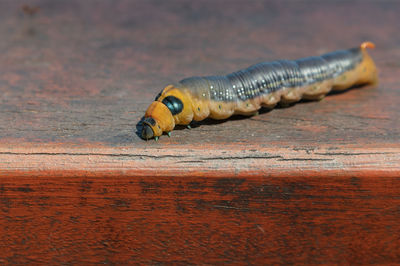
x: 262, y: 85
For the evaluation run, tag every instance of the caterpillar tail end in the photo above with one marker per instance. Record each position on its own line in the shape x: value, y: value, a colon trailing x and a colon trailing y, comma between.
x: 369, y: 74
x: 366, y: 45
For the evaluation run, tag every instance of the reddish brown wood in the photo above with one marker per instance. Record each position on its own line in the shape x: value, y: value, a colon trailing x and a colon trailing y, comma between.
x: 316, y: 183
x: 199, y: 220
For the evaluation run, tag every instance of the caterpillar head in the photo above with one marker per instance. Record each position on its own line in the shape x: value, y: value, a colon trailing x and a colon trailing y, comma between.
x: 171, y: 107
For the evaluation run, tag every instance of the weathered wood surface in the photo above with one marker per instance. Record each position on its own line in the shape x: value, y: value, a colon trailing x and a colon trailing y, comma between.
x: 314, y: 183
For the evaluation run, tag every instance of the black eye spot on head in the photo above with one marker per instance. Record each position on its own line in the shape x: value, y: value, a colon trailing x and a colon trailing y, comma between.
x: 174, y: 104
x: 198, y: 108
x: 219, y: 106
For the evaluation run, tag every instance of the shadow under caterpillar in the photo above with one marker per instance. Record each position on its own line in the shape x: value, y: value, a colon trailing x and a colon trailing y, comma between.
x: 262, y: 85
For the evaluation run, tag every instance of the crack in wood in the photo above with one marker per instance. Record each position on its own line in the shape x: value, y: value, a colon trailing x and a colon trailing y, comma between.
x: 304, y: 159
x: 351, y: 154
x: 92, y: 154
x: 240, y: 157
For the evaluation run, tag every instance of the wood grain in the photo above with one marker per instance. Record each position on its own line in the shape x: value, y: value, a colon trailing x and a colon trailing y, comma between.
x: 200, y: 220
x: 314, y: 183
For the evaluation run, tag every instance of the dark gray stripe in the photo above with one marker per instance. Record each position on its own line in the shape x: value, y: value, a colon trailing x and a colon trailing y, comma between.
x: 267, y: 77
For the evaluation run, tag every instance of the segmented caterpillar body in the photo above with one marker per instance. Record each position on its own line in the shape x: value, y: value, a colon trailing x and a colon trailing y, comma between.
x: 261, y: 85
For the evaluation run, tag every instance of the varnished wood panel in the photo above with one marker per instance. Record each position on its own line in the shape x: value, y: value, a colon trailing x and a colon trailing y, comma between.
x: 200, y: 220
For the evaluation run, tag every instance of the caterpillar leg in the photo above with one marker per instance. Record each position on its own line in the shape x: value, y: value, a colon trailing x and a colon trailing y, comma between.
x: 247, y: 114
x: 221, y: 110
x: 249, y: 107
x: 291, y: 95
x: 318, y: 91
x: 269, y: 101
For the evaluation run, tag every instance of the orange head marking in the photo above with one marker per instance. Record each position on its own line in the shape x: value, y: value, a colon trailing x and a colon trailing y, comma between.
x: 157, y: 119
x: 172, y: 106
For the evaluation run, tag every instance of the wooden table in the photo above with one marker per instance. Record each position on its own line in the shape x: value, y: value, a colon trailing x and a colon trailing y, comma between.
x: 315, y: 183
